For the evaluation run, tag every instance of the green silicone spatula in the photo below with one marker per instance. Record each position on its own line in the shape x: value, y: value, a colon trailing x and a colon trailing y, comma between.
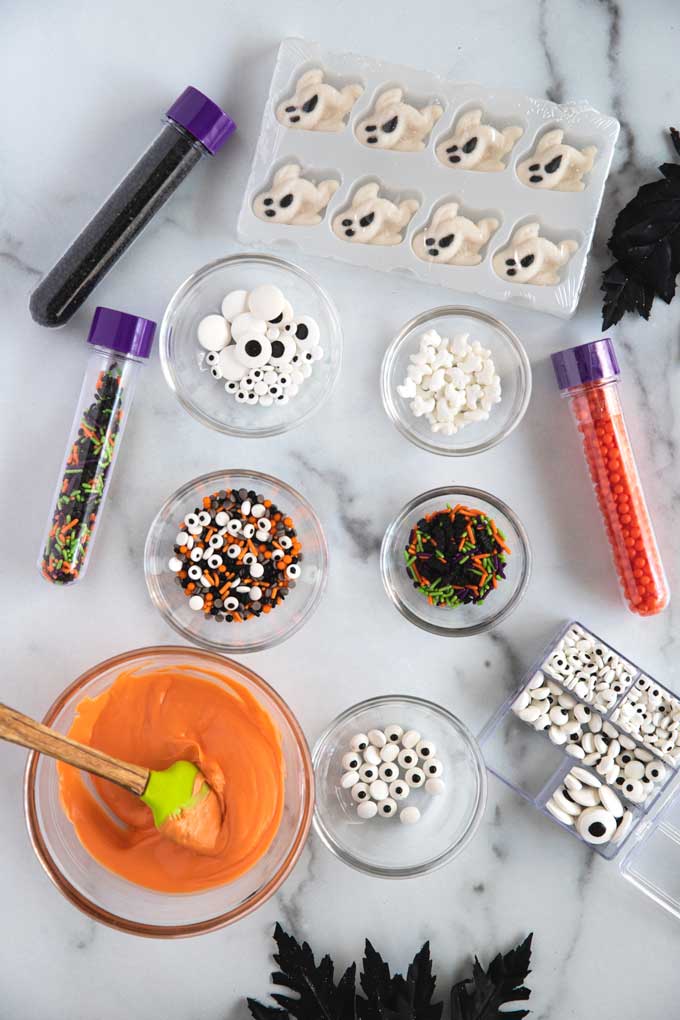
x: 184, y: 806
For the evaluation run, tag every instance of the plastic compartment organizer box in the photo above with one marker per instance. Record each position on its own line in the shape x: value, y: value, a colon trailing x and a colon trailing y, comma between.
x: 530, y: 764
x: 320, y: 107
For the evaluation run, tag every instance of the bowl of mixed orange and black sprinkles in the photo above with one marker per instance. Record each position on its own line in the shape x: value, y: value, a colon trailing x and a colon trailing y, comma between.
x: 236, y: 560
x: 455, y: 561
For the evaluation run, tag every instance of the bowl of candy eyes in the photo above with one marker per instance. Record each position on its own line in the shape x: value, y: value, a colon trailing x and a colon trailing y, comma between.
x: 455, y: 561
x: 455, y: 381
x: 250, y: 345
x: 236, y: 561
x: 400, y: 784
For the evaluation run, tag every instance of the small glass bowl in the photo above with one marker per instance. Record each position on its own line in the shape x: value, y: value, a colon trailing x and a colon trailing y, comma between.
x: 458, y: 621
x: 512, y: 365
x: 251, y: 635
x: 383, y: 847
x: 182, y: 358
x: 131, y: 908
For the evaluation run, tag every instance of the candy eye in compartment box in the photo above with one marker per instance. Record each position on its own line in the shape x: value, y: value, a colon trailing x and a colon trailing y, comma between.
x: 591, y: 766
x: 433, y: 177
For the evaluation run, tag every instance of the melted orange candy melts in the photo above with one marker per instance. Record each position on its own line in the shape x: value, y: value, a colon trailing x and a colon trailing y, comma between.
x: 154, y: 719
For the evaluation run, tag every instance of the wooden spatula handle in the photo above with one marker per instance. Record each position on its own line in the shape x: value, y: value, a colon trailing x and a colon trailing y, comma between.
x: 19, y: 729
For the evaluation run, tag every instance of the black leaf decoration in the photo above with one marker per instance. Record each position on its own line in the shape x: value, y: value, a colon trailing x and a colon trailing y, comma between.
x: 481, y: 997
x: 398, y: 998
x: 388, y: 997
x: 645, y: 242
x: 319, y: 998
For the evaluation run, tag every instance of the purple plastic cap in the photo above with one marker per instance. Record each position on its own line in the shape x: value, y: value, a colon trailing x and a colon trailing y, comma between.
x: 593, y: 362
x: 118, y: 331
x: 202, y: 118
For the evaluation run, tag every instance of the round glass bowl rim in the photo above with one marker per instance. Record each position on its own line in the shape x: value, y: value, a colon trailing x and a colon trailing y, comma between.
x: 391, y: 354
x: 444, y: 491
x: 452, y: 851
x: 154, y: 589
x: 174, y: 304
x: 173, y: 931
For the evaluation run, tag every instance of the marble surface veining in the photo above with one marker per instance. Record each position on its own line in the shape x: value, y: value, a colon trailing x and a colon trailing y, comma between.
x: 82, y: 89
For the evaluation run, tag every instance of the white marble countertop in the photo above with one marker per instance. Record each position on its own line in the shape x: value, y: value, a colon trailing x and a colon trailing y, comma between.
x: 83, y: 86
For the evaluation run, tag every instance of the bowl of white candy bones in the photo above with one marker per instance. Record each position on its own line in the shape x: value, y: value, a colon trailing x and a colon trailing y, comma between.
x: 251, y: 345
x: 456, y: 381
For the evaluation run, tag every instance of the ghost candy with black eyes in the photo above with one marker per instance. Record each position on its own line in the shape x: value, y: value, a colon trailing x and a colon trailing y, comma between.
x: 452, y: 239
x: 556, y: 166
x: 371, y: 219
x: 473, y: 145
x: 394, y: 124
x: 532, y: 259
x: 317, y: 106
x: 293, y: 199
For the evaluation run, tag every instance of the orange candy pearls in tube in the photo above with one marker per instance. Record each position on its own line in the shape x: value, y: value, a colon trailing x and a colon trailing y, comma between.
x: 588, y: 376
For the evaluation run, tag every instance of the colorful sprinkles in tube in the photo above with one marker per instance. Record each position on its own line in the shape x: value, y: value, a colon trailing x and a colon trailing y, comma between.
x: 456, y: 556
x: 84, y: 480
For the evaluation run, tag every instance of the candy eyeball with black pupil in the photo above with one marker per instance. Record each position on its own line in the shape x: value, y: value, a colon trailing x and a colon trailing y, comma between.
x: 306, y: 331
x: 407, y: 758
x: 425, y: 749
x: 196, y: 555
x: 204, y: 518
x: 231, y: 603
x: 399, y: 790
x: 415, y: 777
x: 241, y: 396
x: 387, y: 808
x: 368, y: 772
x: 191, y: 520
x: 283, y: 350
x: 216, y: 372
x: 231, y: 386
x: 253, y: 350
x: 433, y: 767
x: 360, y: 792
x: 351, y: 761
x: 212, y: 358
x: 388, y: 771
x: 359, y: 742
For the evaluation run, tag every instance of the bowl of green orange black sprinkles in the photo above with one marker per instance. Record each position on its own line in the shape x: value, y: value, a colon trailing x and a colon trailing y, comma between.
x: 236, y: 561
x: 455, y: 561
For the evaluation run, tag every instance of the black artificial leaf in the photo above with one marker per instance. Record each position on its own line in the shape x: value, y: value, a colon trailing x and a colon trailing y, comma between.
x: 645, y: 242
x: 623, y: 294
x: 318, y: 997
x: 398, y: 998
x: 481, y: 997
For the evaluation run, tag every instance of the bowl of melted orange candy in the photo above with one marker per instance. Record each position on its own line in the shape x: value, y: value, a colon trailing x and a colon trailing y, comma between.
x: 154, y: 706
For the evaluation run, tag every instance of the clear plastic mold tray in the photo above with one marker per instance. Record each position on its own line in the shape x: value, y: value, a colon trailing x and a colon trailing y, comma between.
x: 531, y: 765
x: 337, y: 163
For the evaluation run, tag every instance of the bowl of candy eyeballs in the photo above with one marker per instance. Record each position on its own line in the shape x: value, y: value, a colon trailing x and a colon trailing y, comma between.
x: 400, y: 786
x: 251, y: 345
x: 236, y: 561
x: 456, y: 381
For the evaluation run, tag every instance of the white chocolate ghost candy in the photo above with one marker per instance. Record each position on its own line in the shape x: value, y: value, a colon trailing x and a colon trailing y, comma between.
x: 293, y: 199
x: 532, y: 259
x: 555, y: 165
x: 452, y: 239
x: 393, y: 124
x: 316, y: 105
x: 476, y: 146
x: 374, y: 220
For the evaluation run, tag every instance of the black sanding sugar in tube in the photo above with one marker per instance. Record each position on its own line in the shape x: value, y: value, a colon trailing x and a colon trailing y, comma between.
x: 195, y: 127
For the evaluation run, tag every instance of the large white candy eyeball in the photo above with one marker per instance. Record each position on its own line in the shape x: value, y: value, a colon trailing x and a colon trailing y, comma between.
x: 213, y: 332
x: 359, y: 741
x: 433, y: 767
x: 415, y: 778
x: 246, y: 324
x: 399, y: 790
x: 230, y: 366
x: 304, y: 330
x: 267, y: 302
x: 596, y: 825
x: 407, y: 758
x: 368, y: 772
x: 235, y: 303
x: 253, y: 350
x: 388, y: 772
x: 394, y: 732
x: 360, y: 792
x: 425, y: 749
x: 283, y: 350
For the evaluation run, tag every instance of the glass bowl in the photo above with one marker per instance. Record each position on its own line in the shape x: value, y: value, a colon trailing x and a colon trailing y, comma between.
x: 512, y: 365
x: 251, y: 635
x: 134, y: 909
x: 183, y: 361
x: 465, y: 620
x: 384, y: 847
